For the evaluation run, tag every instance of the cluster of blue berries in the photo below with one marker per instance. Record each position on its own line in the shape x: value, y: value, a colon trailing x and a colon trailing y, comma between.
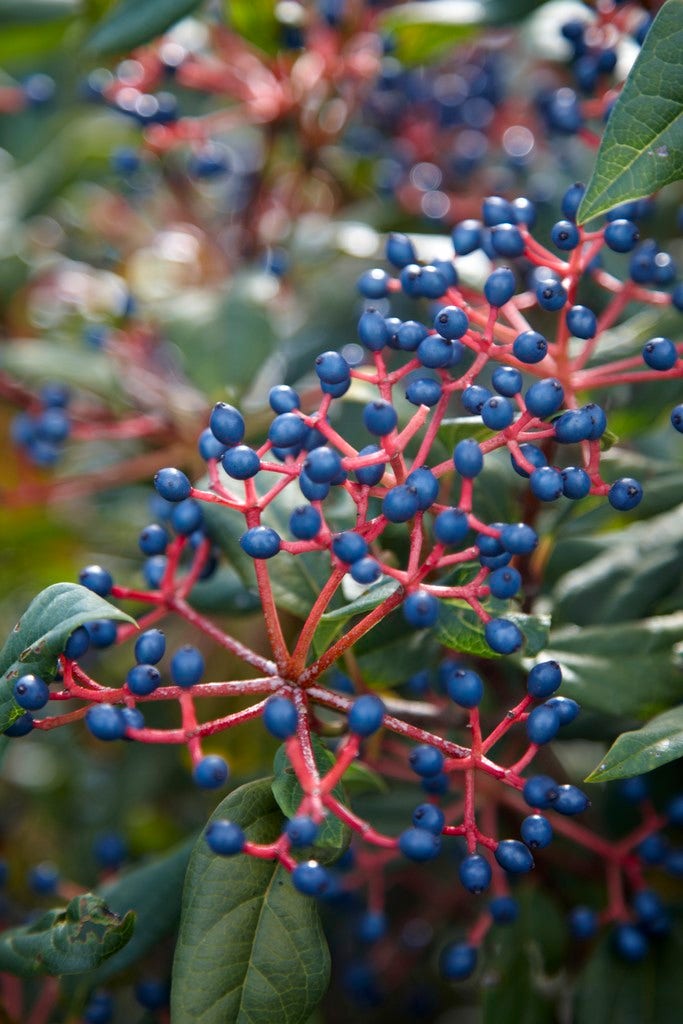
x: 41, y: 433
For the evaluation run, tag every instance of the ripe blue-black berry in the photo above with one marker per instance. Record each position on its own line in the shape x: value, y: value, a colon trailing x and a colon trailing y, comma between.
x: 211, y: 772
x: 503, y: 636
x: 468, y: 458
x: 576, y: 482
x: 332, y: 368
x: 241, y: 462
x: 409, y: 334
x: 660, y: 354
x: 102, y: 632
x: 227, y: 424
x: 305, y: 522
x: 475, y: 873
x: 287, y: 430
x: 366, y: 715
x: 536, y: 831
x: 451, y: 526
x: 499, y: 286
x: 497, y: 413
x: 504, y: 909
x: 186, y: 517
x: 629, y: 942
x: 647, y: 905
x: 569, y: 800
x: 565, y: 235
x: 323, y: 464
x: 540, y: 791
x: 370, y: 475
x: 496, y: 210
x: 473, y: 398
x: 653, y: 849
x: 514, y: 856
x: 400, y: 503
x: 573, y: 426
x: 625, y: 494
x: 349, y: 546
x: 310, y: 878
x: 507, y: 381
x: 31, y: 692
x: 152, y: 994
x: 544, y: 679
x: 523, y: 211
x: 429, y: 817
x: 209, y: 446
x: 260, y: 542
x: 426, y: 760
x: 546, y: 483
x: 301, y: 830
x: 583, y: 922
x: 505, y: 582
x: 518, y: 538
x: 571, y: 200
x: 458, y: 961
x: 153, y: 540
x: 187, y: 666
x: 78, y: 643
x: 419, y: 844
x: 21, y: 726
x: 421, y: 609
x: 143, y: 679
x: 530, y: 347
x: 172, y: 484
x: 380, y: 417
x: 507, y: 240
x: 582, y: 322
x: 566, y: 708
x: 224, y: 837
x: 466, y: 237
x: 105, y: 722
x: 425, y: 484
x: 154, y: 570
x: 282, y: 398
x: 543, y: 724
x: 451, y: 322
x: 465, y: 687
x: 374, y: 284
x: 674, y: 810
x: 621, y: 235
x: 366, y: 570
x: 533, y: 455
x: 280, y: 717
x: 544, y: 397
x: 97, y: 579
x: 372, y: 926
x: 400, y: 250
x: 551, y: 295
x: 310, y: 489
x: 423, y: 391
x: 436, y: 352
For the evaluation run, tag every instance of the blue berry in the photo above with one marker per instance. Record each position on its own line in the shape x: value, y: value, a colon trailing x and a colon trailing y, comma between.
x: 349, y: 546
x: 423, y: 391
x: 97, y: 579
x: 497, y: 413
x: 310, y: 489
x: 566, y: 708
x: 466, y: 237
x: 211, y: 772
x: 224, y: 837
x: 653, y: 849
x: 260, y: 542
x: 429, y: 817
x: 21, y: 726
x: 150, y: 647
x: 400, y: 250
x: 499, y: 286
x: 287, y: 430
x: 465, y: 687
x: 366, y: 570
x: 660, y: 354
x: 373, y: 330
x: 187, y: 666
x: 374, y: 284
x: 677, y: 418
x: 78, y: 643
x: 305, y: 522
x: 458, y: 961
x: 503, y: 636
x: 629, y: 942
x: 241, y: 462
x: 31, y: 692
x: 186, y: 517
x: 570, y: 800
x: 105, y: 722
x: 153, y: 540
x: 474, y: 397
x: 310, y: 878
x: 370, y: 476
x: 380, y: 417
x: 409, y: 335
x: 496, y: 210
x: 475, y: 873
x: 518, y: 538
x: 543, y: 724
x: 451, y: 526
x: 152, y: 994
x: 504, y: 582
x: 572, y: 200
x: 621, y: 235
x: 421, y: 609
x: 227, y: 424
x: 154, y: 571
x: 426, y: 760
x: 143, y: 679
x: 282, y: 398
x: 366, y: 715
x: 172, y: 484
x: 551, y: 295
x: 102, y: 632
x: 323, y: 465
x: 544, y: 679
x: 576, y: 482
x: 507, y: 381
x: 674, y: 810
x: 419, y: 844
x: 426, y: 485
x: 280, y: 717
x: 544, y: 397
x: 468, y: 458
x: 536, y: 831
x: 436, y: 352
x: 332, y: 368
x: 540, y: 791
x: 530, y: 347
x: 583, y: 923
x: 547, y: 483
x: 504, y: 909
x: 451, y: 322
x: 647, y: 906
x: 625, y: 494
x: 99, y: 1009
x: 301, y: 830
x: 400, y: 503
x: 514, y: 856
x: 533, y: 455
x: 507, y: 241
x: 372, y: 926
x: 582, y: 322
x: 565, y: 235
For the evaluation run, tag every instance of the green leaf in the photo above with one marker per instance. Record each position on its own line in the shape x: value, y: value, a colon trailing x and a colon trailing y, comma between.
x: 333, y: 622
x: 40, y: 635
x: 461, y: 629
x: 66, y: 941
x: 642, y: 148
x: 643, y: 750
x: 360, y: 778
x: 389, y: 654
x: 610, y: 991
x: 30, y: 12
x: 255, y: 21
x: 333, y: 837
x: 451, y: 431
x: 421, y: 32
x: 224, y: 592
x: 251, y: 949
x: 132, y: 23
x: 39, y: 361
x: 623, y: 669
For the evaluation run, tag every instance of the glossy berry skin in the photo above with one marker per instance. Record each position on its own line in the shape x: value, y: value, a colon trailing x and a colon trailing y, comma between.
x: 547, y: 483
x: 400, y: 250
x: 514, y: 856
x: 187, y: 666
x: 374, y: 284
x: 102, y: 632
x: 570, y: 800
x: 323, y: 464
x: 142, y: 680
x: 282, y: 398
x: 507, y: 240
x: 565, y: 707
x: 310, y: 878
x: 451, y: 526
x: 543, y: 724
x: 475, y: 873
x: 466, y: 237
x: 536, y: 831
x: 400, y: 503
x: 582, y: 322
x: 530, y: 347
x: 426, y: 760
x: 451, y: 322
x: 260, y: 542
x: 583, y: 923
x: 153, y: 540
x: 369, y: 476
x: 565, y: 235
x: 497, y: 413
x: 224, y: 837
x: 550, y: 295
x: 380, y: 417
x: 366, y: 570
x: 625, y: 494
x: 209, y: 446
x: 31, y: 692
x: 499, y: 287
x: 280, y: 717
x: 660, y: 354
x: 540, y: 791
x: 287, y: 430
x: 429, y: 817
x: 366, y: 715
x: 518, y: 538
x: 465, y: 687
x: 544, y: 679
x: 503, y: 636
x: 621, y: 235
x: 421, y: 609
x: 332, y: 368
x: 349, y: 546
x: 305, y: 522
x: 576, y: 482
x: 468, y: 458
x: 419, y: 845
x: 150, y: 647
x: 21, y: 726
x: 533, y: 455
x: 172, y: 484
x: 423, y: 391
x: 105, y: 722
x: 227, y: 424
x: 473, y: 398
x: 504, y: 909
x: 505, y: 582
x: 629, y: 943
x: 507, y: 381
x: 241, y: 462
x: 78, y: 643
x: 97, y: 579
x: 458, y: 961
x: 544, y: 397
x: 211, y: 772
x: 572, y: 200
x: 301, y: 830
x: 426, y: 486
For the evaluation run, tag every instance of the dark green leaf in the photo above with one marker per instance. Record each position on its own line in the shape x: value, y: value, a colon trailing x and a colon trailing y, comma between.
x: 360, y: 778
x: 642, y: 148
x: 255, y: 21
x: 251, y: 949
x: 643, y: 750
x: 132, y: 23
x: 390, y: 653
x: 461, y: 629
x: 38, y: 361
x: 332, y: 622
x: 224, y: 592
x: 623, y: 669
x: 32, y: 12
x: 225, y: 527
x: 67, y: 941
x: 333, y: 837
x: 40, y: 635
x: 451, y: 431
x: 611, y: 991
